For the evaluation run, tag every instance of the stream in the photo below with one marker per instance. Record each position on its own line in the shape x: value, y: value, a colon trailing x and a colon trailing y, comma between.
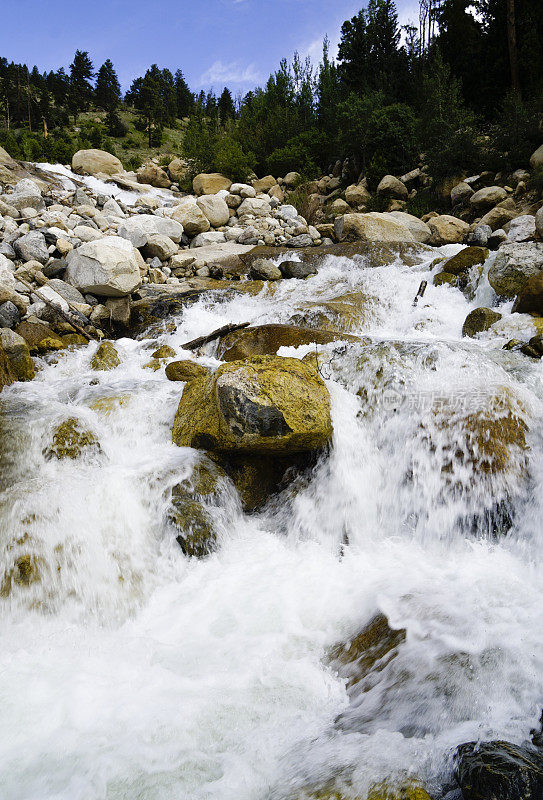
x: 131, y: 672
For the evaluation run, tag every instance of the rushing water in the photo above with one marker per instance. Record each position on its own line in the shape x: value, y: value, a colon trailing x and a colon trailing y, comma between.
x: 129, y: 671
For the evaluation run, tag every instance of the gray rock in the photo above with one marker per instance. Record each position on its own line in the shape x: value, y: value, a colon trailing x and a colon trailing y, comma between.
x: 139, y: 228
x: 480, y: 235
x: 265, y: 270
x: 55, y: 268
x: 296, y: 269
x: 65, y: 290
x: 496, y: 239
x: 303, y: 240
x: 539, y: 222
x: 514, y: 264
x: 286, y: 213
x: 390, y: 186
x: 210, y: 237
x: 521, y: 229
x: 9, y: 315
x: 460, y: 193
x: 7, y: 250
x: 32, y: 247
x: 106, y: 268
x: 26, y: 195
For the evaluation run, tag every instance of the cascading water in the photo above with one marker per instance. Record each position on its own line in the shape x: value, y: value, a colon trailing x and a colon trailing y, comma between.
x: 129, y: 671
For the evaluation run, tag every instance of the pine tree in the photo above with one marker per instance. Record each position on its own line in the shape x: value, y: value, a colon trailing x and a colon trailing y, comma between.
x: 81, y: 89
x: 184, y: 97
x: 225, y: 106
x: 108, y: 88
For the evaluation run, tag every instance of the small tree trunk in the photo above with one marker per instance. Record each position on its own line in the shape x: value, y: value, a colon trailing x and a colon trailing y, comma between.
x: 512, y: 42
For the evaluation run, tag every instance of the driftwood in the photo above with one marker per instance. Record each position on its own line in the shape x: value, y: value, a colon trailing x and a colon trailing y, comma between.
x: 420, y: 293
x: 67, y: 315
x: 195, y: 343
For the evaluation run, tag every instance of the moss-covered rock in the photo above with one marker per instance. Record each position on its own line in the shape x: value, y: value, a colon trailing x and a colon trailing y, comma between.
x: 39, y: 337
x: 6, y: 376
x: 107, y: 405
x: 466, y: 258
x: 393, y: 790
x: 165, y: 351
x: 266, y: 404
x: 196, y: 535
x: 499, y: 770
x: 478, y: 320
x: 24, y: 571
x: 106, y: 357
x: 74, y: 340
x: 371, y: 649
x: 265, y: 340
x: 70, y: 440
x: 445, y: 278
x: 18, y: 355
x: 185, y: 370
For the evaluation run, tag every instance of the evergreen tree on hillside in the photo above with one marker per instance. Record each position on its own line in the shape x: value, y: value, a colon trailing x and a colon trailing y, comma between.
x: 327, y: 94
x: 108, y: 88
x: 81, y: 90
x: 370, y: 56
x: 184, y: 97
x: 225, y: 106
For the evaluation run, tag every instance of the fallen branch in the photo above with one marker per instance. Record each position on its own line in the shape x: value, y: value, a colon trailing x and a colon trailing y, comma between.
x: 195, y: 343
x: 66, y: 315
x: 420, y: 293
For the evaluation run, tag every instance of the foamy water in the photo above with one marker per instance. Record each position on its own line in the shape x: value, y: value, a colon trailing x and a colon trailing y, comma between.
x: 129, y: 671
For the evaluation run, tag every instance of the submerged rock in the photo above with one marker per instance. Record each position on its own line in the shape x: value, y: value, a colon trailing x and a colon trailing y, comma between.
x: 263, y: 405
x: 499, y: 770
x: 106, y: 357
x: 371, y: 649
x: 70, y: 440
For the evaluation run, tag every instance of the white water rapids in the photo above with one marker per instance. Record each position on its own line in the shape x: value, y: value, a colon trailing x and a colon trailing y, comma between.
x: 128, y: 671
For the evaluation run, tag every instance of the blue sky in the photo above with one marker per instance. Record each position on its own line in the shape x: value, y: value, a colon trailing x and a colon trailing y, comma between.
x: 215, y: 42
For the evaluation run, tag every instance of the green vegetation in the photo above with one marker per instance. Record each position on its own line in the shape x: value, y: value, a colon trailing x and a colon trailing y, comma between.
x: 449, y: 90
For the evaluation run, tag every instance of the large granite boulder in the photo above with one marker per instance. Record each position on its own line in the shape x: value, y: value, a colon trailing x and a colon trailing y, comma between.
x: 215, y: 209
x: 189, y: 214
x: 466, y: 258
x: 139, y: 228
x: 153, y: 175
x: 389, y: 186
x: 420, y: 230
x: 514, y: 264
x: 93, y: 162
x: 106, y: 268
x: 447, y: 229
x: 210, y: 183
x: 488, y: 197
x: 372, y: 227
x: 26, y: 194
x: 267, y: 405
x: 530, y: 298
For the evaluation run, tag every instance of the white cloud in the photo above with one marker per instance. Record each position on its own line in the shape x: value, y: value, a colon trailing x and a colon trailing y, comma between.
x: 231, y: 73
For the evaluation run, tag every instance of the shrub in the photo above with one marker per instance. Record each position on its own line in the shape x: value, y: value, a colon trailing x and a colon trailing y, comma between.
x: 231, y: 160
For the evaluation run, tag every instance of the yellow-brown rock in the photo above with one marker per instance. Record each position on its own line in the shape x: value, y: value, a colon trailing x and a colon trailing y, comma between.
x: 266, y: 404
